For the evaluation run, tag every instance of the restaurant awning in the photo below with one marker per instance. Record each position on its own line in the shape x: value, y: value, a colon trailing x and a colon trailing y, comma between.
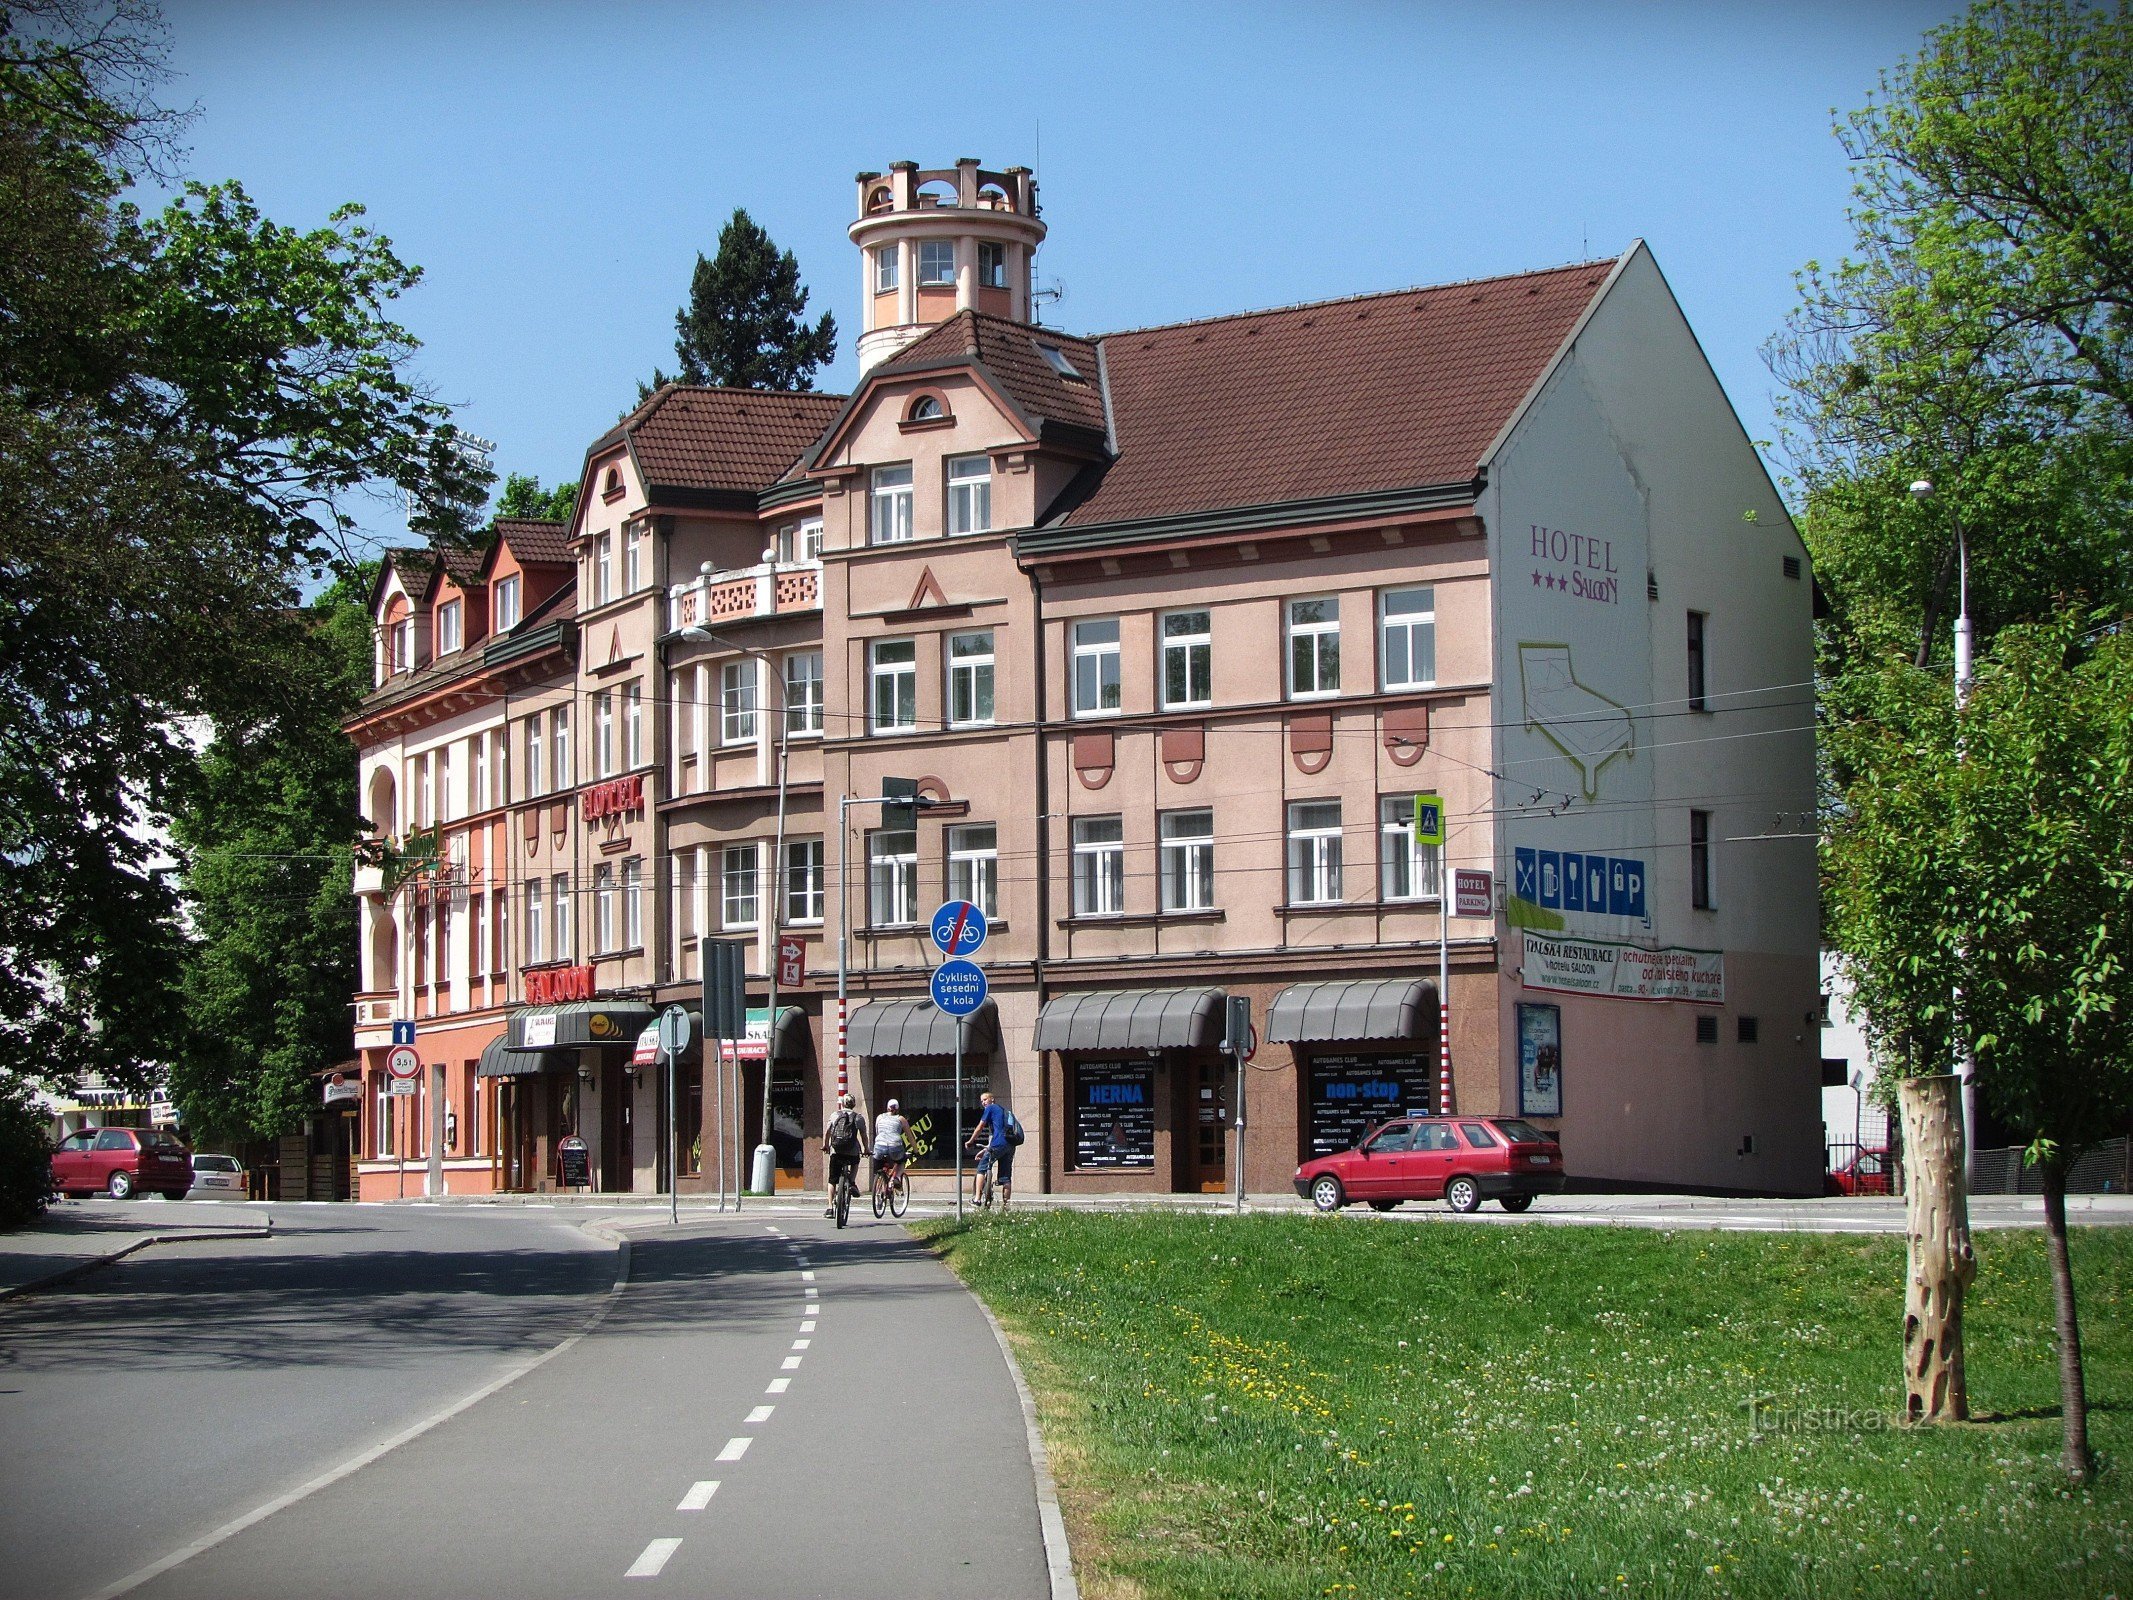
x: 500, y: 1060
x: 1361, y: 1008
x: 918, y: 1027
x: 792, y: 1037
x: 1131, y: 1019
x: 579, y: 1023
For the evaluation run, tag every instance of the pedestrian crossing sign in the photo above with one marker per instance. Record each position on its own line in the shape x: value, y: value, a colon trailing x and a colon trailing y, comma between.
x: 1429, y: 819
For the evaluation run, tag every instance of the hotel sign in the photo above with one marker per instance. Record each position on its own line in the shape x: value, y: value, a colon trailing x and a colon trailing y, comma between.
x: 1623, y: 971
x: 614, y: 797
x: 550, y: 986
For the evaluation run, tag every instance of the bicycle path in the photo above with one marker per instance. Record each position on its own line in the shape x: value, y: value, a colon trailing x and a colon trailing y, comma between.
x: 772, y: 1408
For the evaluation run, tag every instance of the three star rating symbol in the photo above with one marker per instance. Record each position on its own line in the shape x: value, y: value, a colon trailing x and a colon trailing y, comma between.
x: 1549, y: 579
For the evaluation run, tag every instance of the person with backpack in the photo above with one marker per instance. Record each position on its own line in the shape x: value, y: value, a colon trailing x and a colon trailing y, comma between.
x: 1000, y: 1133
x: 844, y: 1140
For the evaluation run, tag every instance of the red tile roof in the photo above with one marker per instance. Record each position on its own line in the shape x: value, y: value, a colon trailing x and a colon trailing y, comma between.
x: 1013, y: 354
x: 740, y: 440
x: 463, y: 567
x: 535, y: 541
x: 1381, y: 391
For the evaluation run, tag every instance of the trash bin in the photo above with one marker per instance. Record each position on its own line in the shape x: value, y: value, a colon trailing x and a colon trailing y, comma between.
x: 763, y: 1171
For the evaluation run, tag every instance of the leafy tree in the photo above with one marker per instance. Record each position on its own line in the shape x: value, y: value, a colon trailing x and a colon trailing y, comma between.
x: 267, y: 829
x: 742, y: 327
x: 1978, y: 336
x: 189, y: 403
x: 523, y: 496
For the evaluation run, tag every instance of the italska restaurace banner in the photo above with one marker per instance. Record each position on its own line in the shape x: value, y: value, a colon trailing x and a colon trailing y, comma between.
x: 1624, y: 971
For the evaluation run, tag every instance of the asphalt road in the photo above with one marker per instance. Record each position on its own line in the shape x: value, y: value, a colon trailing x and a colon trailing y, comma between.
x: 712, y: 1435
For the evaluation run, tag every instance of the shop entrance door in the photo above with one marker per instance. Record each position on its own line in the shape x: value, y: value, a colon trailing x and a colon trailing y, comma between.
x: 618, y: 1143
x: 1210, y: 1127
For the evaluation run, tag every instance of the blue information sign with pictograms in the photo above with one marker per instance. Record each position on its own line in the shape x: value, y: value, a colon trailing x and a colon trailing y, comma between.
x: 959, y: 987
x: 958, y: 928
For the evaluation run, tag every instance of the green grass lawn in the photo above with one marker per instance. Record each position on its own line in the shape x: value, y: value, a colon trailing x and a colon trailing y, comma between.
x: 1294, y: 1406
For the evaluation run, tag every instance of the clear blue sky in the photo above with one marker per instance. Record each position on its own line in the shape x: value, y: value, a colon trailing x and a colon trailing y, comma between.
x: 555, y: 168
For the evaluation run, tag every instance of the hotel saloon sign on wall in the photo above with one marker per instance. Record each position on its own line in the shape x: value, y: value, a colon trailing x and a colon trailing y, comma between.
x: 1624, y: 971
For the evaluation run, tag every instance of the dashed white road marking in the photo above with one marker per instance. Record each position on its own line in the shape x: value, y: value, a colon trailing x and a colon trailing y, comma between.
x: 735, y: 1448
x: 807, y: 1325
x: 801, y: 1344
x: 807, y: 1277
x: 656, y: 1555
x: 778, y: 1386
x: 791, y: 1362
x: 699, y: 1495
x: 761, y: 1414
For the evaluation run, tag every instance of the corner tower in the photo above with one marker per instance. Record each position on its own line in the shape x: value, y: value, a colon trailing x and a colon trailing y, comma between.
x: 935, y: 243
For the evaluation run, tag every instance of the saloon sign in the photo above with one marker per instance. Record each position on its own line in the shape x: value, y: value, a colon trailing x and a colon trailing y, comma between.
x: 550, y: 986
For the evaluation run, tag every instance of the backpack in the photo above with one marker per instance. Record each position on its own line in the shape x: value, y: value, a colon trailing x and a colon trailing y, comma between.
x: 845, y: 1129
x: 1014, y: 1129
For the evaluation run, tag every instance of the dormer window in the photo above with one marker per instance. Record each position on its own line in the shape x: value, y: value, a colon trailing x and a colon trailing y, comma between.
x: 1056, y: 359
x: 936, y: 263
x: 926, y: 409
x: 506, y: 603
x: 611, y: 484
x: 448, y: 632
x: 404, y: 645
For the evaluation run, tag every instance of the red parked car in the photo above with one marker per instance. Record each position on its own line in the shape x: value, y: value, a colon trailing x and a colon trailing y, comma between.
x: 121, y: 1162
x: 1868, y: 1172
x: 1463, y: 1159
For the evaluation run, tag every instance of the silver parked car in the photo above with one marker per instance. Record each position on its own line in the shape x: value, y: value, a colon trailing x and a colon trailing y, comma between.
x: 217, y: 1178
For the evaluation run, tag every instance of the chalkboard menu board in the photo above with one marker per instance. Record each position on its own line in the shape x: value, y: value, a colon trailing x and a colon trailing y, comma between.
x: 573, y: 1164
x: 1350, y: 1095
x: 1114, y: 1114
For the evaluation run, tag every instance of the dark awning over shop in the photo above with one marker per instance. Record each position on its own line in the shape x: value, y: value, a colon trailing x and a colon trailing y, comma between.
x: 586, y: 1023
x: 1131, y: 1019
x: 499, y: 1060
x: 917, y: 1027
x: 791, y: 1035
x: 1364, y: 1008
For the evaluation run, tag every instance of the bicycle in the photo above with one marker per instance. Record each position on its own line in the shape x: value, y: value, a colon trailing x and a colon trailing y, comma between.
x: 892, y: 1188
x: 984, y: 1175
x: 841, y: 1198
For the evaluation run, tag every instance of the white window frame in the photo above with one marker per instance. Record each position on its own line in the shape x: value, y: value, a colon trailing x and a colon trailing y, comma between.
x: 803, y: 692
x: 892, y: 877
x: 992, y: 264
x: 899, y: 679
x: 803, y: 880
x: 1407, y: 872
x: 505, y: 608
x: 929, y: 258
x: 969, y: 493
x: 800, y: 541
x: 403, y: 645
x: 737, y: 686
x: 536, y: 923
x: 479, y: 799
x: 450, y: 635
x: 972, y: 680
x: 562, y: 920
x: 500, y: 766
x: 1314, y: 634
x: 636, y: 557
x: 536, y: 758
x: 559, y: 748
x: 1099, y: 866
x: 739, y: 888
x: 974, y: 865
x: 885, y: 268
x: 1093, y: 657
x: 1411, y: 634
x: 633, y: 903
x: 1187, y: 843
x: 1314, y: 852
x: 604, y: 909
x: 499, y: 932
x: 1193, y: 650
x: 603, y: 734
x: 603, y: 585
x: 889, y: 519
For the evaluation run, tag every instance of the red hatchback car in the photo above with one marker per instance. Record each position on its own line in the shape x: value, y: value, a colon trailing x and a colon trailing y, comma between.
x: 121, y: 1162
x: 1466, y: 1160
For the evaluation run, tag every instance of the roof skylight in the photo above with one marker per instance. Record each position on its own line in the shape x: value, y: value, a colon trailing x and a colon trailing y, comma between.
x: 1056, y: 359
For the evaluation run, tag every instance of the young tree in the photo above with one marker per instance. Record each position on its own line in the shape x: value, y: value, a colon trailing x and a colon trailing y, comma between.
x: 1976, y: 336
x: 188, y: 402
x: 523, y: 496
x: 742, y: 327
x: 267, y: 829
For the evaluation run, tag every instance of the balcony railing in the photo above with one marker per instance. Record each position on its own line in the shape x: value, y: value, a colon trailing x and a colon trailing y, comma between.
x: 769, y: 589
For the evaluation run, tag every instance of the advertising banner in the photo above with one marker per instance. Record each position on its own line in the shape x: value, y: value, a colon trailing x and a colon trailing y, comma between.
x: 1114, y: 1114
x: 1624, y: 971
x: 1540, y: 1061
x: 1350, y: 1095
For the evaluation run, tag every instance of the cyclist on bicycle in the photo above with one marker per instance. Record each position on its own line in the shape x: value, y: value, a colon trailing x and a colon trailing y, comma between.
x: 842, y: 1140
x: 891, y: 1131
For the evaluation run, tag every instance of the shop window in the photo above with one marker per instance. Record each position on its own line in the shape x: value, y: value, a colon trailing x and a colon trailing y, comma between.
x: 1113, y: 1115
x: 925, y: 1090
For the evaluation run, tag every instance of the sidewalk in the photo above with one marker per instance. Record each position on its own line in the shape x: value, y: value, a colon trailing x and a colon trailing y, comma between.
x: 77, y: 1236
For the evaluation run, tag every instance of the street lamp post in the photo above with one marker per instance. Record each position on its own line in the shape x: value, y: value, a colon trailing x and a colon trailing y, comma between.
x: 1921, y: 491
x: 697, y: 635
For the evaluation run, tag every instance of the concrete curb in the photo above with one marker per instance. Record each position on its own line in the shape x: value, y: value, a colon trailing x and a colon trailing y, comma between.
x: 89, y: 1264
x: 1058, y: 1560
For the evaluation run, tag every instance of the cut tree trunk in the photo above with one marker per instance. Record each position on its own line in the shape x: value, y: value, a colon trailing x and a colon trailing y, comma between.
x: 2073, y: 1389
x: 1941, y: 1262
